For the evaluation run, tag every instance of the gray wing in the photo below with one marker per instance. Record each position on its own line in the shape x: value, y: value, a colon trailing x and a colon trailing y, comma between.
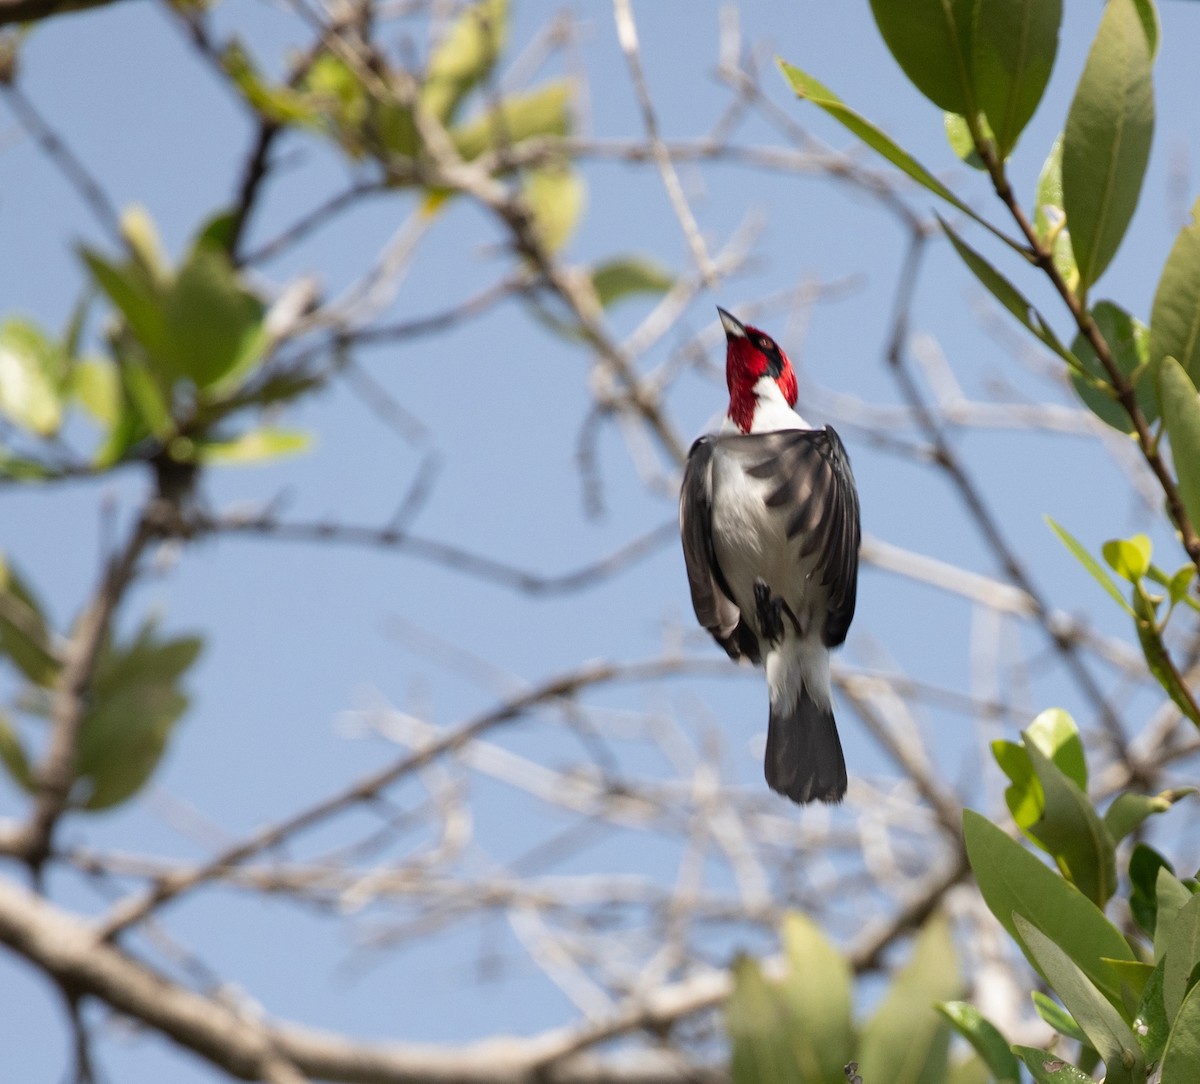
x: 711, y: 597
x: 814, y: 480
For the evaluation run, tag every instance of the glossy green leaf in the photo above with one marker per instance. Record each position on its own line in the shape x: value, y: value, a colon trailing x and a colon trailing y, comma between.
x: 464, y: 56
x: 1023, y: 796
x: 1181, y: 1057
x: 1007, y: 294
x: 1072, y: 831
x: 1091, y: 564
x: 1013, y: 880
x: 1175, y: 315
x: 544, y: 111
x: 1106, y: 1030
x: 1049, y: 218
x: 759, y: 1026
x: 906, y: 1040
x: 215, y: 327
x: 25, y: 636
x: 31, y: 368
x: 1129, y: 346
x: 134, y: 706
x: 810, y: 89
x: 1047, y: 1068
x: 1058, y: 1017
x: 931, y: 41
x: 1129, y: 810
x: 818, y: 991
x: 1129, y: 558
x: 983, y: 1035
x: 1181, y: 955
x: 627, y: 277
x: 252, y: 447
x: 13, y: 755
x: 1151, y: 1024
x: 1014, y: 45
x: 1107, y: 140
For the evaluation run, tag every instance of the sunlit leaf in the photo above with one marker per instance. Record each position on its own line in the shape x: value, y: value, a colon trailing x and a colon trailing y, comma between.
x: 962, y: 143
x: 1129, y: 558
x: 96, y: 386
x: 283, y: 105
x: 1054, y: 732
x: 556, y: 197
x: 1048, y: 1068
x: 141, y: 237
x: 758, y: 1022
x: 1013, y: 49
x: 31, y: 369
x: 252, y: 447
x: 544, y: 111
x: 1181, y: 415
x: 1050, y: 219
x: 1107, y: 140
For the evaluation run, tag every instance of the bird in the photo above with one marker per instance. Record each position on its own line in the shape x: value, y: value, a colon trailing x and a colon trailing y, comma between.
x: 769, y: 520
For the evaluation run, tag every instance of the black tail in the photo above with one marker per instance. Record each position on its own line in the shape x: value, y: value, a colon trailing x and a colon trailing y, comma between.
x: 804, y: 757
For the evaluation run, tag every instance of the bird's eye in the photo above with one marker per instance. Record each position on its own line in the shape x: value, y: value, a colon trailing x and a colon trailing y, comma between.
x: 764, y: 343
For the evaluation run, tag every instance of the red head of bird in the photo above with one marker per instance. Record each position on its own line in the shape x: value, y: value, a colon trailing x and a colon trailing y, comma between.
x: 750, y: 356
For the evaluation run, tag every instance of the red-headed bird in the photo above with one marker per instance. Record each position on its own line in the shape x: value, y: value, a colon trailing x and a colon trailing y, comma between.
x: 769, y: 518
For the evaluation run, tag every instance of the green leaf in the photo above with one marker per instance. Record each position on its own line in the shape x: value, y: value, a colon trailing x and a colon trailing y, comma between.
x: 1107, y: 140
x: 810, y: 89
x: 1129, y: 346
x: 1181, y: 1058
x: 31, y: 369
x: 1171, y: 897
x: 133, y: 709
x: 136, y: 296
x: 141, y: 238
x: 758, y: 1023
x: 1054, y: 732
x: 1158, y: 661
x: 1050, y: 220
x: 146, y: 396
x: 628, y: 276
x: 13, y: 756
x: 545, y: 111
x: 1151, y: 1024
x: 215, y: 327
x: 982, y: 1034
x: 818, y: 992
x: 96, y: 386
x: 1179, y: 584
x: 906, y: 1041
x: 1181, y: 415
x: 555, y: 196
x: 24, y: 633
x: 1144, y: 864
x: 1129, y: 810
x: 1049, y: 1068
x: 1175, y: 314
x: 1133, y: 973
x: 1013, y: 880
x: 1007, y: 294
x: 1072, y: 831
x: 969, y: 1070
x: 1091, y: 564
x: 1024, y: 796
x: 1181, y: 955
x: 1093, y: 1012
x: 283, y: 105
x: 962, y: 143
x: 1014, y: 45
x: 251, y: 447
x: 1058, y: 1017
x: 464, y: 56
x: 931, y: 41
x: 1129, y: 558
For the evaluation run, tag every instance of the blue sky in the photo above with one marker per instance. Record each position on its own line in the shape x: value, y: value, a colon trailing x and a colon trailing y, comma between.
x: 300, y: 636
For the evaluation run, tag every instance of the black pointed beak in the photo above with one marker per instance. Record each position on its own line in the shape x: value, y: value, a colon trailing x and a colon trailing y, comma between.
x: 734, y: 328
